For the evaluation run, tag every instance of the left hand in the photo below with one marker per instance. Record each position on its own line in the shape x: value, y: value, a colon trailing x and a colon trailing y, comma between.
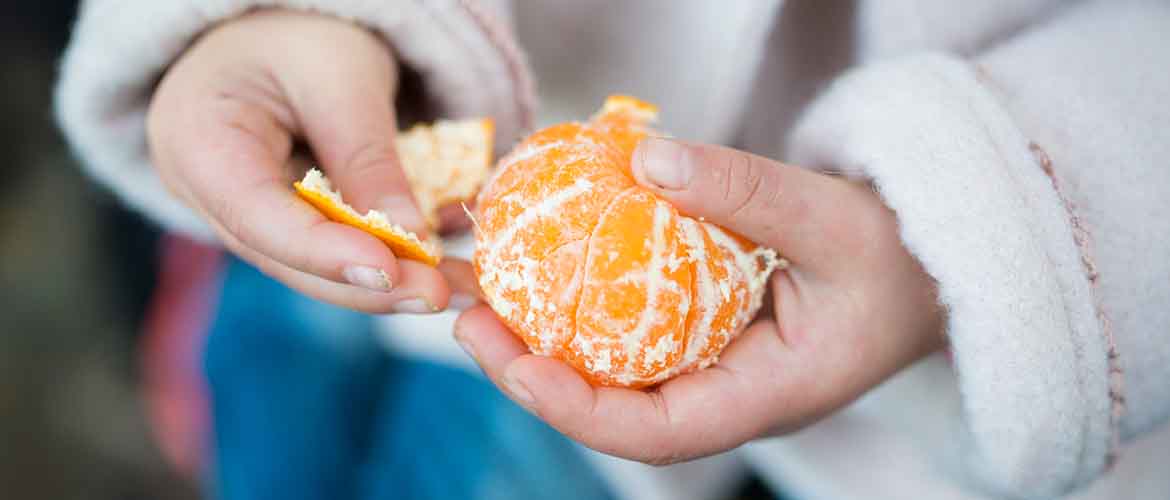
x: 853, y: 308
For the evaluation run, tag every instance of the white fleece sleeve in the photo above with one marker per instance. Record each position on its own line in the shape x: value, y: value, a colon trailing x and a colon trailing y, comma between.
x: 1032, y: 184
x: 463, y: 50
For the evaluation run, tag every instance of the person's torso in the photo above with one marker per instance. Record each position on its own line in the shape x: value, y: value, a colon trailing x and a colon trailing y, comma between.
x: 694, y: 59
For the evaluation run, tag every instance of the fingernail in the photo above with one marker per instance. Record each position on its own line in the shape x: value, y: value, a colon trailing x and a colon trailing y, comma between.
x: 519, y: 392
x: 370, y: 278
x: 414, y: 306
x: 401, y: 210
x: 461, y: 301
x: 664, y: 163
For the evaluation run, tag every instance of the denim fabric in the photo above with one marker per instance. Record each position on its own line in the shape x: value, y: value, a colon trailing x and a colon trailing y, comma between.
x: 307, y: 405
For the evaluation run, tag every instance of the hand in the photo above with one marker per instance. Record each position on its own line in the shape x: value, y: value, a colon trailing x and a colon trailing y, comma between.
x: 221, y: 129
x: 853, y: 308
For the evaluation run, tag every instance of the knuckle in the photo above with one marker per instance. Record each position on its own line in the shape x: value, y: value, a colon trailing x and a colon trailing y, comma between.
x: 251, y: 124
x: 239, y: 118
x: 725, y: 173
x: 745, y: 182
x: 370, y: 159
x: 233, y: 112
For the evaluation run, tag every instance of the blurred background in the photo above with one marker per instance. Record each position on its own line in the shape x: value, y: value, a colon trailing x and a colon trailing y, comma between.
x: 75, y: 275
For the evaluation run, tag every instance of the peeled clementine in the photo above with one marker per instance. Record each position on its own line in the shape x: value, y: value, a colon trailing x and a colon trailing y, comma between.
x: 590, y: 268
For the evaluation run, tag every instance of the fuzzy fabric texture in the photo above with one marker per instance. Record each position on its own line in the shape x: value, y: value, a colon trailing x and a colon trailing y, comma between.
x: 1022, y: 144
x: 983, y: 219
x: 462, y: 49
x: 1028, y: 180
x: 1094, y: 92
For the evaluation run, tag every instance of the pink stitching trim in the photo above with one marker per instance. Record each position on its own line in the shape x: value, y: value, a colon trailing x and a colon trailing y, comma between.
x: 1083, y: 240
x: 497, y: 35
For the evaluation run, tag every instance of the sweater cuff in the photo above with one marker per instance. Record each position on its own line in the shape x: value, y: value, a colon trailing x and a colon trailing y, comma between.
x: 977, y: 210
x: 466, y: 57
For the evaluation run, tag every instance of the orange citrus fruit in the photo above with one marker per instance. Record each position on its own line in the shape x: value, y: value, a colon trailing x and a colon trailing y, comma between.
x: 590, y: 268
x: 445, y: 163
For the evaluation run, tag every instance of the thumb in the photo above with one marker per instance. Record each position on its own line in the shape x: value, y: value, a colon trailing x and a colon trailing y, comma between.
x: 349, y: 122
x: 793, y: 210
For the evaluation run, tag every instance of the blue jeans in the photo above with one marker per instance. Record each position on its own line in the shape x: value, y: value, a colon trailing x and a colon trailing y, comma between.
x: 307, y: 405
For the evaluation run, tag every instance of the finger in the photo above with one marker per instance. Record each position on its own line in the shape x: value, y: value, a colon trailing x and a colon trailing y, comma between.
x: 615, y: 421
x: 488, y: 341
x: 453, y: 218
x: 627, y: 423
x: 692, y: 416
x: 416, y: 294
x: 348, y: 120
x: 464, y: 285
x: 781, y: 206
x: 235, y: 173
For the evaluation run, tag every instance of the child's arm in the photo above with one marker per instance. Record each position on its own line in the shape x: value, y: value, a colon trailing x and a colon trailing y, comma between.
x: 189, y: 111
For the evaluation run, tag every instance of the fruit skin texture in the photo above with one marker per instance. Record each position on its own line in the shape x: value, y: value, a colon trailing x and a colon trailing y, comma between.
x: 592, y: 269
x: 445, y: 162
x: 316, y: 189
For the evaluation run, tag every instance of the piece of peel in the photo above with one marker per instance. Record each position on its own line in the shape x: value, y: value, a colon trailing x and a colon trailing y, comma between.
x: 445, y: 162
x: 318, y: 191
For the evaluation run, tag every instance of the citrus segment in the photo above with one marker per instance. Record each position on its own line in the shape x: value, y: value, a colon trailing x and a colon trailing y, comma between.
x: 635, y: 293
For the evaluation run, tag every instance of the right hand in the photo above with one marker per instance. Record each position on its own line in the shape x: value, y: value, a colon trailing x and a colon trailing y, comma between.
x: 221, y: 128
x: 853, y: 308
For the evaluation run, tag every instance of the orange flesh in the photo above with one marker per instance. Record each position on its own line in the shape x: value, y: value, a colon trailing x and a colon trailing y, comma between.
x: 590, y: 268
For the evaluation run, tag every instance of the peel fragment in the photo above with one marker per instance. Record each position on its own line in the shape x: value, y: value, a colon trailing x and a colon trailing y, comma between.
x: 445, y: 162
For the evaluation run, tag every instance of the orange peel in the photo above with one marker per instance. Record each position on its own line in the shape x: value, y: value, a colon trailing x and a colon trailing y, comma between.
x: 445, y: 163
x: 588, y: 267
